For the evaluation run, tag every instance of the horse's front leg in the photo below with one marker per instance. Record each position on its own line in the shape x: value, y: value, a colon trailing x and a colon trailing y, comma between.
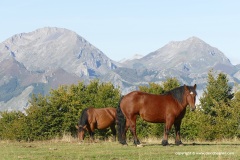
x: 167, y: 128
x: 113, y: 129
x: 91, y: 132
x: 177, y: 125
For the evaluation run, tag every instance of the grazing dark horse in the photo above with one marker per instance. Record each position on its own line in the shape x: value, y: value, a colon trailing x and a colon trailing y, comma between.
x: 168, y: 108
x: 96, y: 118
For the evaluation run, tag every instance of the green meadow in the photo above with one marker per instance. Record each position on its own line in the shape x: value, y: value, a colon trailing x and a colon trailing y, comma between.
x: 70, y: 148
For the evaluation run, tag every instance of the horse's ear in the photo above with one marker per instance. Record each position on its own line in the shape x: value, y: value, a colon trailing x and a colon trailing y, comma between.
x: 185, y: 87
x: 195, y: 86
x: 77, y: 127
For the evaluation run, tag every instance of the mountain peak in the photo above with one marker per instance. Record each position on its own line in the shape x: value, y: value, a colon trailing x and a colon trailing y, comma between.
x: 41, y: 36
x: 194, y: 39
x: 190, y: 41
x: 192, y: 53
x: 50, y: 30
x: 52, y: 47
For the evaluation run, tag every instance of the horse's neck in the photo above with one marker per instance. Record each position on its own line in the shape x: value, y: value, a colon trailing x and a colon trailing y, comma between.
x: 182, y: 105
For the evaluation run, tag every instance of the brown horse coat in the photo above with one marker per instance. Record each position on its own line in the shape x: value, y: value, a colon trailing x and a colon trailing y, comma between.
x: 101, y: 118
x: 168, y: 108
x: 96, y: 118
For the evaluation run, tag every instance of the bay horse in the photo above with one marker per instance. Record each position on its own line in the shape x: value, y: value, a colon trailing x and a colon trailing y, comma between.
x: 168, y: 108
x: 96, y: 118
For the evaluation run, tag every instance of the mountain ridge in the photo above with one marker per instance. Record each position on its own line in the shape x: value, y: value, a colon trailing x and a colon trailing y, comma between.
x: 37, y: 61
x: 54, y: 45
x: 182, y: 51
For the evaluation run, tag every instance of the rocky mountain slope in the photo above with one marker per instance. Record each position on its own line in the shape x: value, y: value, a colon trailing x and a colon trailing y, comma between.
x: 43, y: 59
x: 188, y: 60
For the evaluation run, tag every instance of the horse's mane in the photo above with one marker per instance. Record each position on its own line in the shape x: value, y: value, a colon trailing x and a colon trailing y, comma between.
x: 83, y: 119
x: 178, y: 92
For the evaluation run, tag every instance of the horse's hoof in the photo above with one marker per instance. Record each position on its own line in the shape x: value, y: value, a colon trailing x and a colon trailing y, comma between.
x: 82, y: 142
x: 139, y: 145
x: 164, y: 142
x: 124, y: 143
x: 179, y: 143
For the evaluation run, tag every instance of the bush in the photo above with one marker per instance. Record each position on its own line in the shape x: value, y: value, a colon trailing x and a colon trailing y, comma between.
x: 217, y: 116
x: 58, y: 113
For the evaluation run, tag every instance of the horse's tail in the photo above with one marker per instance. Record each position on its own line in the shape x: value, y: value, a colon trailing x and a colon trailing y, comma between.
x: 83, y: 119
x: 121, y: 123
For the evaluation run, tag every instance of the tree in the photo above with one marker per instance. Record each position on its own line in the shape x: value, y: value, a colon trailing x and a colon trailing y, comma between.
x: 219, y: 108
x: 217, y: 90
x: 59, y: 112
x: 153, y: 88
x: 170, y: 84
x: 12, y: 125
x: 235, y: 104
x: 192, y: 124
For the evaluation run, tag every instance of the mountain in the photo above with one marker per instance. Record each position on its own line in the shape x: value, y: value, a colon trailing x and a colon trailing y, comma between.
x: 44, y: 59
x: 50, y: 48
x: 38, y: 61
x: 188, y: 60
x: 192, y: 55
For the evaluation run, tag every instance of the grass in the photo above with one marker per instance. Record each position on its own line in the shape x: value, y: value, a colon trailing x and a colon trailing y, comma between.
x: 69, y: 148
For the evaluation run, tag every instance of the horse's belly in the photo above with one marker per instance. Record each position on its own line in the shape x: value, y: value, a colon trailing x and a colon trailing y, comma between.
x: 102, y: 126
x: 104, y: 123
x: 154, y: 118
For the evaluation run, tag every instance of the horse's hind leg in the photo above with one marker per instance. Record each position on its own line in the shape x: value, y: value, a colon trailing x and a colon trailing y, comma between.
x: 124, y: 142
x: 113, y: 129
x: 133, y: 130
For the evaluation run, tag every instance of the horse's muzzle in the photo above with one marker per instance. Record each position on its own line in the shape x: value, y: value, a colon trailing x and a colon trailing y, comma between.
x: 193, y: 108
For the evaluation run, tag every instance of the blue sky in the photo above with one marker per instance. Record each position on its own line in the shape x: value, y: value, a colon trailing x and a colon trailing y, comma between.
x: 123, y: 28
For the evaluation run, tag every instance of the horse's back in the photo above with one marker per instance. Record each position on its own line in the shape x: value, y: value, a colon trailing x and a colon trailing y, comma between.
x: 103, y: 117
x: 111, y: 112
x: 139, y: 99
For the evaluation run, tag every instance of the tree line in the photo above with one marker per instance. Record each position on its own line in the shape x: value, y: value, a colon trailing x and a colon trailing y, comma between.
x: 217, y: 116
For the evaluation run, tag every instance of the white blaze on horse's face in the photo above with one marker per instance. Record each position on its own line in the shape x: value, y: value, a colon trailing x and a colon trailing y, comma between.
x: 191, y: 100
